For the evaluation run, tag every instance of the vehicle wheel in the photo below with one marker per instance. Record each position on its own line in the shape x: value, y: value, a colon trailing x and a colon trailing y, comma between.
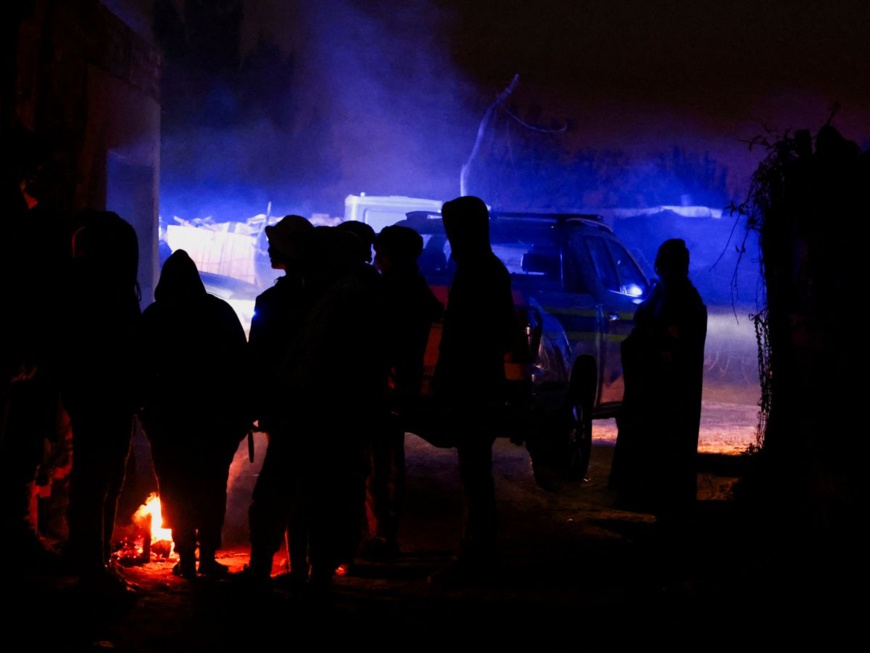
x: 579, y: 418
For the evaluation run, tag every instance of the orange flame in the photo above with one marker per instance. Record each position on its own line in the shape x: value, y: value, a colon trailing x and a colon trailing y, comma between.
x: 150, y: 510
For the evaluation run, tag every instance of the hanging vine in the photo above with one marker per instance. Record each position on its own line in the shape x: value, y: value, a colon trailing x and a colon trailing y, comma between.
x: 765, y: 188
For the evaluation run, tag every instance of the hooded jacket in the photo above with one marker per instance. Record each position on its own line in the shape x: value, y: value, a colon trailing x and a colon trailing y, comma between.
x: 194, y: 356
x: 480, y: 319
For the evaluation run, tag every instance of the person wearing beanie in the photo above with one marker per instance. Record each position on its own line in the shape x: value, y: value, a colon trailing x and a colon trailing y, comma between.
x: 411, y: 308
x: 364, y: 232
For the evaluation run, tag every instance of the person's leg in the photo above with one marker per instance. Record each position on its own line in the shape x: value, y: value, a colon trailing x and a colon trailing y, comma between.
x: 119, y: 441
x: 478, y: 557
x: 184, y: 542
x: 21, y: 451
x: 396, y: 488
x: 479, y: 534
x: 87, y: 492
x: 381, y: 514
x: 268, y: 511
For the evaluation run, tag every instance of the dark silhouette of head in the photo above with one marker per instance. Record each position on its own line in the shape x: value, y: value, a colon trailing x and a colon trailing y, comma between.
x: 284, y: 240
x: 364, y: 232
x: 107, y: 246
x: 398, y: 246
x: 672, y: 259
x: 466, y: 223
x: 179, y: 279
x: 331, y: 254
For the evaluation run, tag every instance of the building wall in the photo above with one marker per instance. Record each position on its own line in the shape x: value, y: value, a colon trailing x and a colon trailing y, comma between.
x: 89, y: 85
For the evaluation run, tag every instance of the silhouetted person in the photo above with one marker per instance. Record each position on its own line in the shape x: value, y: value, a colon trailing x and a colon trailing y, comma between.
x: 335, y: 376
x: 195, y: 409
x: 410, y: 310
x: 33, y: 263
x: 279, y: 313
x: 469, y: 379
x: 366, y: 234
x: 367, y: 274
x: 99, y: 381
x: 655, y: 460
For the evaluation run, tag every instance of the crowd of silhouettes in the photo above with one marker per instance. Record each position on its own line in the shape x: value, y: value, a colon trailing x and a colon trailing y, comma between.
x: 331, y: 370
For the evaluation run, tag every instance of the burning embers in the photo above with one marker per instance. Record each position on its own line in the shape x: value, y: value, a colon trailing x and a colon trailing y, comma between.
x: 146, y: 537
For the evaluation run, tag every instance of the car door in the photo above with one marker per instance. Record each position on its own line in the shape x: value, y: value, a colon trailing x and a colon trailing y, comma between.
x: 621, y: 286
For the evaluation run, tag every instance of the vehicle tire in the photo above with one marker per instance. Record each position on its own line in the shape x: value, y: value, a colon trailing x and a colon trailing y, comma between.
x: 579, y: 400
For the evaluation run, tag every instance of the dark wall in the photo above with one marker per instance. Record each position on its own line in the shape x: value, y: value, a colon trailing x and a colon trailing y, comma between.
x: 86, y: 84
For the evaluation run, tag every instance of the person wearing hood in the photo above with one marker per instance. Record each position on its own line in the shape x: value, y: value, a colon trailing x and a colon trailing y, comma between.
x: 469, y: 379
x: 196, y: 408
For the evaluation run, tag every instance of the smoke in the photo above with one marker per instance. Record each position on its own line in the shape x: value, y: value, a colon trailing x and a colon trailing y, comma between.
x: 337, y: 97
x: 357, y: 98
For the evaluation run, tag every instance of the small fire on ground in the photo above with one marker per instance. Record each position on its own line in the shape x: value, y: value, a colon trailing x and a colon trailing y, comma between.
x: 146, y: 538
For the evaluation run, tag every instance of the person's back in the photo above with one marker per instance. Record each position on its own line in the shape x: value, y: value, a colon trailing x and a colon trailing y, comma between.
x: 195, y: 408
x: 194, y: 353
x: 480, y: 320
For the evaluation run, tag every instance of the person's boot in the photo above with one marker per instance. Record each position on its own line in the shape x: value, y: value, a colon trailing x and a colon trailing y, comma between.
x: 186, y: 566
x: 209, y: 566
x: 257, y: 574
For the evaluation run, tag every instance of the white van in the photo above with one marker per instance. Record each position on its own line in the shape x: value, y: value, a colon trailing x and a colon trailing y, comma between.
x: 378, y: 211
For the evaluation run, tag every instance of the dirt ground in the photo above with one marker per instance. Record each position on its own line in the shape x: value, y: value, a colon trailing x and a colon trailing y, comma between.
x: 576, y: 569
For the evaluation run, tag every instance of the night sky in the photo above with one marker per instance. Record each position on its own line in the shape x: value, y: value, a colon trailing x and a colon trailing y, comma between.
x: 387, y: 97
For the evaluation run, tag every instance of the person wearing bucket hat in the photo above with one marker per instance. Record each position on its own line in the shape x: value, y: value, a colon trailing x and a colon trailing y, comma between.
x: 283, y: 240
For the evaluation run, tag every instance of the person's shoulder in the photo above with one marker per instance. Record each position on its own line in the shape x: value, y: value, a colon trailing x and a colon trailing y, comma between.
x: 274, y: 292
x: 151, y: 316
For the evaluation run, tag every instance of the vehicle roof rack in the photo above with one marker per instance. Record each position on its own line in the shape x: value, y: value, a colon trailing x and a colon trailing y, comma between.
x: 592, y: 219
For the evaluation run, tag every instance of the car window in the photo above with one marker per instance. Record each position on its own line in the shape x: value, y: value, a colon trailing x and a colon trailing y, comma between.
x: 532, y: 255
x: 614, y: 267
x: 631, y: 279
x: 540, y: 258
x: 604, y: 266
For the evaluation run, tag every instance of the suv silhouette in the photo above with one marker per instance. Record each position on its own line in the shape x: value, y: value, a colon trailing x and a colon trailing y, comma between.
x: 576, y: 287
